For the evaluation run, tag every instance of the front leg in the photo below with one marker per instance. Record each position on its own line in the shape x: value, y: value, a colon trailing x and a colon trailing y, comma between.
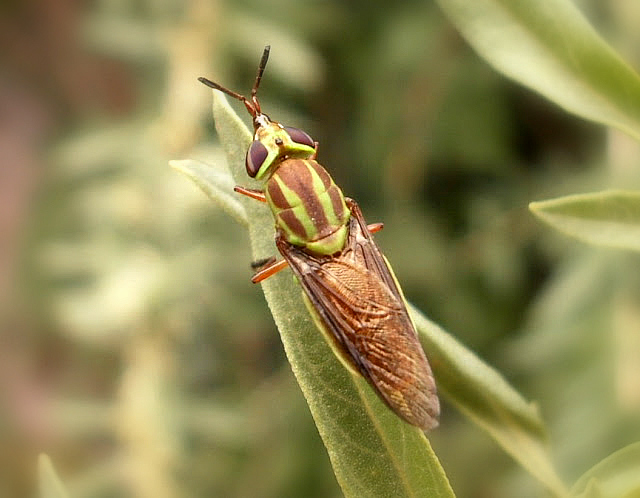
x: 251, y: 192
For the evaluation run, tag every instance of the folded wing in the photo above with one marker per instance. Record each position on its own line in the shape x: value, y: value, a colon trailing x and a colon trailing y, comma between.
x: 358, y: 304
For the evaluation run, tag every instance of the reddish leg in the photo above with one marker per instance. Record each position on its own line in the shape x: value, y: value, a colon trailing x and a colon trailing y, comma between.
x: 375, y: 227
x: 269, y: 270
x: 251, y: 192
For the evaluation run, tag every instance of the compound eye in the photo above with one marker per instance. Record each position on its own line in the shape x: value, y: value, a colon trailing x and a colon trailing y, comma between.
x: 256, y: 156
x: 300, y: 137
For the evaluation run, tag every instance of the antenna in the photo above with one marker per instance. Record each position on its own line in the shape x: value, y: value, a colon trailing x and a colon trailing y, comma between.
x: 263, y: 64
x: 252, y: 106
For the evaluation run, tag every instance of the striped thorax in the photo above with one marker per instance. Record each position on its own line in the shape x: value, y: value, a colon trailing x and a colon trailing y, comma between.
x: 307, y: 205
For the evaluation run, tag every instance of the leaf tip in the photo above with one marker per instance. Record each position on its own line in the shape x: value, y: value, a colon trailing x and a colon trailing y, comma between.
x: 43, y: 460
x: 536, y: 207
x: 177, y: 164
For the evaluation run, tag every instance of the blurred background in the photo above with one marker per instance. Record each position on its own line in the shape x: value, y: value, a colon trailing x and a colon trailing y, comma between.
x: 133, y: 348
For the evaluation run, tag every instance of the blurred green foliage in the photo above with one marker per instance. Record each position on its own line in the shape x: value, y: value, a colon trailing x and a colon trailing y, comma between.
x: 135, y: 351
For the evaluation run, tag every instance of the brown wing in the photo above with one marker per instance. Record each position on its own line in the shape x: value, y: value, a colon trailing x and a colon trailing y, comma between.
x: 356, y: 298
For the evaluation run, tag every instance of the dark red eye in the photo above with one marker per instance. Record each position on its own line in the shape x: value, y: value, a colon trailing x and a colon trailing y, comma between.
x: 300, y: 136
x: 256, y: 155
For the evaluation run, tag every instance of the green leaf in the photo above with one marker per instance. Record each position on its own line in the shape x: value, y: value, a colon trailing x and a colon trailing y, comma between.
x: 361, y: 434
x: 616, y: 476
x: 217, y: 182
x: 49, y: 483
x: 551, y: 48
x: 610, y: 218
x: 372, y: 451
x: 484, y: 396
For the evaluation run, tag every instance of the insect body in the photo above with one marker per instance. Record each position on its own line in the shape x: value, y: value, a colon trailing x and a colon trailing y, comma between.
x: 348, y: 284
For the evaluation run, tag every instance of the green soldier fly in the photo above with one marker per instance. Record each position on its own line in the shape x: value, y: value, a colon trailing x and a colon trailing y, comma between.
x: 348, y: 285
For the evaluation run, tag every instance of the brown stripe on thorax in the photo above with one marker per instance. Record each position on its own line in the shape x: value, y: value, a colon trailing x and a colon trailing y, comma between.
x: 322, y: 173
x: 296, y: 175
x: 313, y: 207
x: 275, y: 194
x: 289, y: 217
x: 337, y: 202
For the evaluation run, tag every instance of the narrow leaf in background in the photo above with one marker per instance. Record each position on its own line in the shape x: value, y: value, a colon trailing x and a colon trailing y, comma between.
x: 551, y: 48
x: 50, y: 484
x: 610, y: 218
x: 615, y: 476
x: 484, y: 396
x: 218, y: 186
